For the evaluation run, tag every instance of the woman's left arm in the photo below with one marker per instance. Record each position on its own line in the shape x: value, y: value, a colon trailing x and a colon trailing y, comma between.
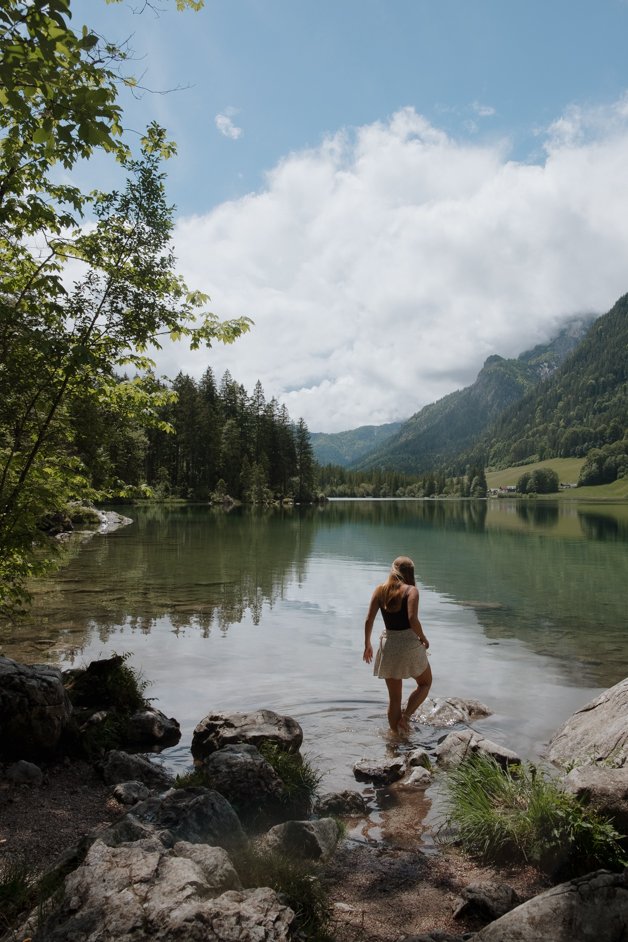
x: 413, y: 616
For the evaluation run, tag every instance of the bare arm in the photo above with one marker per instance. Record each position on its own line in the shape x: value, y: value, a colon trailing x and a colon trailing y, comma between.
x: 368, y: 628
x: 413, y: 616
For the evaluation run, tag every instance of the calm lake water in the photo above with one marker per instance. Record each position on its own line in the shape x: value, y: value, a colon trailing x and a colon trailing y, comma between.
x: 524, y: 605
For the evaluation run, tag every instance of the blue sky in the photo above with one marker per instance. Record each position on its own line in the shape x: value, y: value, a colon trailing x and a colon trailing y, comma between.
x: 448, y: 168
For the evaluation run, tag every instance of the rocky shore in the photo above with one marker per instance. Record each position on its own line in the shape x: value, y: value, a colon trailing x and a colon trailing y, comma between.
x: 137, y: 858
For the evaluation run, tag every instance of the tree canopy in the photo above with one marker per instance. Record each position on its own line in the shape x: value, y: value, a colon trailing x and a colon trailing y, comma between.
x: 88, y: 281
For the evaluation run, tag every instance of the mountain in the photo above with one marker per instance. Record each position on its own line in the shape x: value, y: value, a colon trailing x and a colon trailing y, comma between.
x: 582, y: 405
x: 345, y: 448
x: 440, y: 432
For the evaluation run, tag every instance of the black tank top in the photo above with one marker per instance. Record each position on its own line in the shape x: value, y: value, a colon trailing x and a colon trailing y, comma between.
x: 397, y: 621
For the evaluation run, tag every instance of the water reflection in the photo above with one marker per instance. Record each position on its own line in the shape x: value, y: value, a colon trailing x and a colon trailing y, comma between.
x: 598, y: 526
x: 542, y: 514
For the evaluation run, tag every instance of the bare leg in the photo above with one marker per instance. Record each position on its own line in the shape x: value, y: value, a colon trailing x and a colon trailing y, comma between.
x: 394, y: 702
x: 416, y: 698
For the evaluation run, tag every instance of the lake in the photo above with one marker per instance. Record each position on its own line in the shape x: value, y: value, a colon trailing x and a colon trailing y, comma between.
x: 524, y: 604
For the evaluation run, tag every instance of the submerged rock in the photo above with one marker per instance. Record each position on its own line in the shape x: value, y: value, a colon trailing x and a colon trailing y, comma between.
x: 347, y: 802
x: 448, y: 711
x: 379, y: 773
x: 461, y: 744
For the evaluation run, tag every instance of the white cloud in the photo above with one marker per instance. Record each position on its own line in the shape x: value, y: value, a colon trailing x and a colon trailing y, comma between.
x: 483, y: 111
x: 383, y: 266
x: 224, y: 123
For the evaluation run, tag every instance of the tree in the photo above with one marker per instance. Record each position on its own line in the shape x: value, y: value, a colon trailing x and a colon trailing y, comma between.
x: 305, y: 463
x: 62, y: 343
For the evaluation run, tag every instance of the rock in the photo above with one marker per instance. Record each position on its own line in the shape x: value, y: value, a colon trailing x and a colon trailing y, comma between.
x: 379, y: 773
x: 418, y: 777
x: 485, y: 901
x: 420, y: 757
x: 246, y: 779
x: 195, y: 815
x: 308, y: 840
x: 223, y: 729
x: 129, y: 793
x: 587, y: 909
x: 596, y: 733
x: 461, y: 744
x: 438, y: 935
x: 97, y: 685
x: 152, y: 728
x: 346, y: 802
x: 35, y: 711
x: 145, y: 893
x: 447, y: 711
x: 25, y: 773
x: 605, y: 789
x: 121, y: 767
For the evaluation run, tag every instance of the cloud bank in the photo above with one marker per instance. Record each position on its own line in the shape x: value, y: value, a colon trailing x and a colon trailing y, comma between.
x: 382, y: 267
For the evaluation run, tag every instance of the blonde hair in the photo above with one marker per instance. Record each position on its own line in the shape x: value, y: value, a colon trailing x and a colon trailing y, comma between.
x: 390, y: 593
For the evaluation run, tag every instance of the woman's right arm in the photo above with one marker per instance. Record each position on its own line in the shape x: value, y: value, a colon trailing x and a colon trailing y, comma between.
x: 368, y: 628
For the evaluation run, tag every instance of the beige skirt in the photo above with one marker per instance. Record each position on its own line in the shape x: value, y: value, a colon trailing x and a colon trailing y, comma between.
x: 400, y: 655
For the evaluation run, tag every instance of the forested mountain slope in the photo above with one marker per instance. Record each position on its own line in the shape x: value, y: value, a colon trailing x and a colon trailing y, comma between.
x: 439, y: 433
x: 583, y: 405
x: 345, y: 448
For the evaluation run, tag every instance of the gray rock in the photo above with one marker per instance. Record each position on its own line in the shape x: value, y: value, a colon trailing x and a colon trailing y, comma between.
x: 146, y: 893
x: 605, y: 789
x: 485, y: 901
x: 347, y: 802
x: 121, y: 767
x: 35, y: 710
x: 309, y: 840
x: 379, y: 773
x: 25, y: 773
x: 195, y: 815
x: 152, y: 728
x: 438, y: 935
x: 596, y: 733
x: 246, y: 779
x: 588, y: 909
x: 448, y: 711
x: 129, y: 793
x: 224, y: 729
x: 418, y: 778
x: 462, y: 744
x: 420, y: 757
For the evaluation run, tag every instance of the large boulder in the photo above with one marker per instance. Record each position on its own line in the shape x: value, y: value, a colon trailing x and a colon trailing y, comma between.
x: 606, y: 790
x: 598, y: 732
x: 246, y: 779
x: 150, y: 727
x: 224, y: 729
x: 147, y: 893
x: 35, y: 711
x: 462, y: 744
x: 338, y: 803
x: 587, y: 909
x: 484, y: 902
x: 195, y: 815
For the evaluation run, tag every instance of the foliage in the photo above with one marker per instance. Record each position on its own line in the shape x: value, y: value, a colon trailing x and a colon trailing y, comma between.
x: 295, y: 880
x: 520, y: 814
x: 22, y: 890
x: 605, y: 465
x: 300, y: 778
x: 347, y: 448
x: 88, y: 280
x: 539, y: 481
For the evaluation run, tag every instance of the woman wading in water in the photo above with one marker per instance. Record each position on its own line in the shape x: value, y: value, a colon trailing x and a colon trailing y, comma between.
x: 402, y: 646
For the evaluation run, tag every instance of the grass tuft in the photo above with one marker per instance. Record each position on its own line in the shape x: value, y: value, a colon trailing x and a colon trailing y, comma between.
x: 301, y: 780
x: 295, y: 881
x: 522, y: 815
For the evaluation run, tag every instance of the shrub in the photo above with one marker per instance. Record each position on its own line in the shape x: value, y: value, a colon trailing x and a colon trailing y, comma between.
x: 522, y: 815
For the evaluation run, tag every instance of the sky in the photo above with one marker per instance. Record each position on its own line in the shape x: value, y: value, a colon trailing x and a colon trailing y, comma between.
x: 392, y: 190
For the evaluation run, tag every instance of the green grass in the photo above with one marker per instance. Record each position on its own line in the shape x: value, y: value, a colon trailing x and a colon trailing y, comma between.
x: 522, y: 815
x: 296, y: 881
x: 23, y: 889
x: 567, y: 469
x: 300, y: 778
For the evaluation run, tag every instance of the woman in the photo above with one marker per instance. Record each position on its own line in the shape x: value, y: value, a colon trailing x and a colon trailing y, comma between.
x: 402, y: 647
